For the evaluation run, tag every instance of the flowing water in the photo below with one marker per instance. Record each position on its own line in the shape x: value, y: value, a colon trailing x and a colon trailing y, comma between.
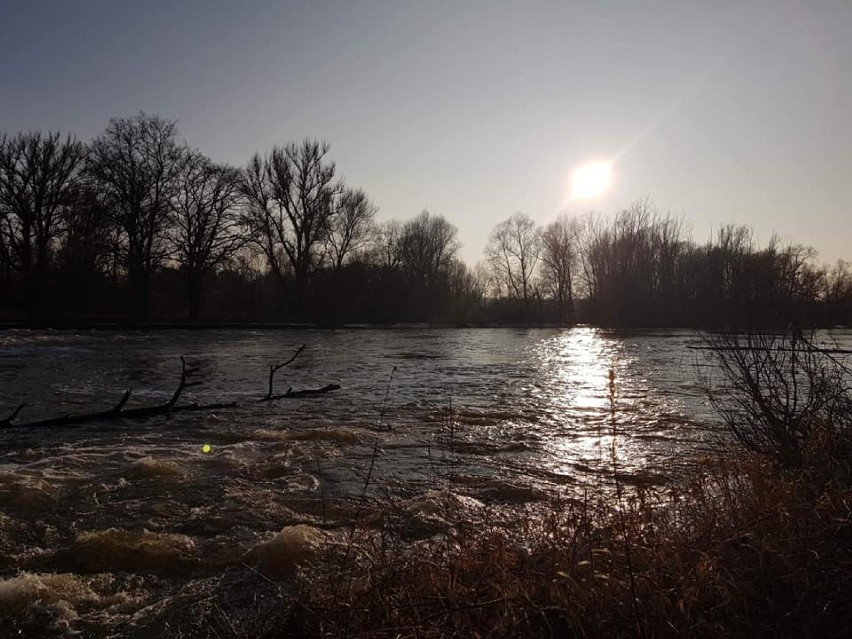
x: 105, y: 524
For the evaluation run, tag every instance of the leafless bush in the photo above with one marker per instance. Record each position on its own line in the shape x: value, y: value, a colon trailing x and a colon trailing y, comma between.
x: 780, y: 394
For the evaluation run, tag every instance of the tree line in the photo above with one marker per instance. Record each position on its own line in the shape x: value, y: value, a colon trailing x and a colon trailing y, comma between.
x: 137, y: 225
x: 642, y: 268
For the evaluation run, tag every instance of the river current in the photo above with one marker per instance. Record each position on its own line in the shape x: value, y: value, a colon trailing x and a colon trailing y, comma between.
x: 102, y: 523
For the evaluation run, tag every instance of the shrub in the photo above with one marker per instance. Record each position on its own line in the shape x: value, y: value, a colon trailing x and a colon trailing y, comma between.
x: 782, y: 396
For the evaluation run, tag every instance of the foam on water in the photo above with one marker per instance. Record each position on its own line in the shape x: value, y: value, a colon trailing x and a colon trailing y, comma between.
x: 317, y: 434
x: 427, y: 514
x: 149, y: 467
x: 434, y: 502
x: 268, y: 434
x: 62, y: 592
x: 145, y: 551
x: 26, y: 490
x: 287, y: 550
x: 64, y: 598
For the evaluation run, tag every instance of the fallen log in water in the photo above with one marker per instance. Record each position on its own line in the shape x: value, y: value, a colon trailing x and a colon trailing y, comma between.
x: 168, y: 408
x: 291, y: 394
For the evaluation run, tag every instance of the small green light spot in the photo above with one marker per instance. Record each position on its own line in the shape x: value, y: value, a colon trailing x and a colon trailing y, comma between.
x: 206, y: 448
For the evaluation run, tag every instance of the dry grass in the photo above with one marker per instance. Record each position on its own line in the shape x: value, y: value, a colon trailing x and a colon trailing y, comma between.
x: 737, y: 550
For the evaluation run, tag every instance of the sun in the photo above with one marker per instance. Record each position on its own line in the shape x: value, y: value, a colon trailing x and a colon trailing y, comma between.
x: 591, y: 180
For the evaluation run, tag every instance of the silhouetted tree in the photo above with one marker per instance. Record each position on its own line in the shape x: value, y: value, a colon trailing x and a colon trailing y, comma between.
x: 837, y: 283
x: 799, y: 279
x: 38, y: 174
x: 559, y: 256
x: 5, y: 249
x: 427, y: 245
x: 630, y: 265
x: 726, y: 265
x: 86, y: 256
x: 465, y: 292
x: 351, y: 228
x: 837, y: 293
x: 668, y: 248
x: 135, y: 163
x: 587, y: 239
x: 205, y: 228
x: 512, y: 253
x: 291, y: 197
x: 384, y: 250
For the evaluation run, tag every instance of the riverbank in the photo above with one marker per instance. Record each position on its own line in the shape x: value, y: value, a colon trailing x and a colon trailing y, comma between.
x: 735, y: 551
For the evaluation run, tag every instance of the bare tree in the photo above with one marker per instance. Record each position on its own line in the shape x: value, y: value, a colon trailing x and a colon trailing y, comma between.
x: 351, y: 228
x: 837, y: 284
x: 385, y: 248
x: 631, y: 261
x: 38, y: 174
x: 5, y: 249
x: 291, y: 197
x: 589, y: 238
x: 491, y: 286
x: 733, y: 245
x: 668, y: 248
x: 513, y: 251
x: 135, y: 163
x: 559, y: 255
x: 205, y: 230
x: 798, y: 278
x: 427, y: 245
x: 85, y: 257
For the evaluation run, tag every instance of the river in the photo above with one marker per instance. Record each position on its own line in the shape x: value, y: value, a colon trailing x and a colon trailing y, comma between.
x: 99, y: 522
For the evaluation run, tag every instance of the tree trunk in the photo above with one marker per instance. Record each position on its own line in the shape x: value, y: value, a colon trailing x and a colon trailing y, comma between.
x: 139, y: 284
x: 193, y: 294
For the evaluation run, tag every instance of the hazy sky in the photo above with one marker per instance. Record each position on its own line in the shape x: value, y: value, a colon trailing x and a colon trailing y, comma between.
x: 720, y: 111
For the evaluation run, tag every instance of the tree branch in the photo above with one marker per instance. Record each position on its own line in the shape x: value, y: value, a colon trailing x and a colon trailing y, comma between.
x: 273, y: 368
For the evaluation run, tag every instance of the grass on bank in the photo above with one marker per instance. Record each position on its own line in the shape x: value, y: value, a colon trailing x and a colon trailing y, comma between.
x: 736, y: 550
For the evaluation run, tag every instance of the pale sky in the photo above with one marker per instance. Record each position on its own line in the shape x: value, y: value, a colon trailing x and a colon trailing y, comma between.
x: 719, y: 111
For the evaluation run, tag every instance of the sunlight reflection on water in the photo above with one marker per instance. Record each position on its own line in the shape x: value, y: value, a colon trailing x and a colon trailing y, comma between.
x: 576, y: 368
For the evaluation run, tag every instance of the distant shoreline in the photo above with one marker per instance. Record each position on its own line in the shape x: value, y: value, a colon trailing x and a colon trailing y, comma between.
x: 122, y: 325
x: 174, y: 325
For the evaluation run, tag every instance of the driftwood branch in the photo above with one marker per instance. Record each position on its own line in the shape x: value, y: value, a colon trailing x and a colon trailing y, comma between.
x: 168, y: 408
x: 184, y: 374
x: 273, y: 368
x: 291, y: 394
x: 118, y: 410
x: 13, y: 415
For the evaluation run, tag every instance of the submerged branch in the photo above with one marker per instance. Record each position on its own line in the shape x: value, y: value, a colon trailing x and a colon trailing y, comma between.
x: 273, y: 368
x: 8, y: 420
x: 291, y: 394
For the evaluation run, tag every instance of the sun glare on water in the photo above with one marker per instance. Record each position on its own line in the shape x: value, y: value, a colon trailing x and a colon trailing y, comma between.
x: 591, y: 180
